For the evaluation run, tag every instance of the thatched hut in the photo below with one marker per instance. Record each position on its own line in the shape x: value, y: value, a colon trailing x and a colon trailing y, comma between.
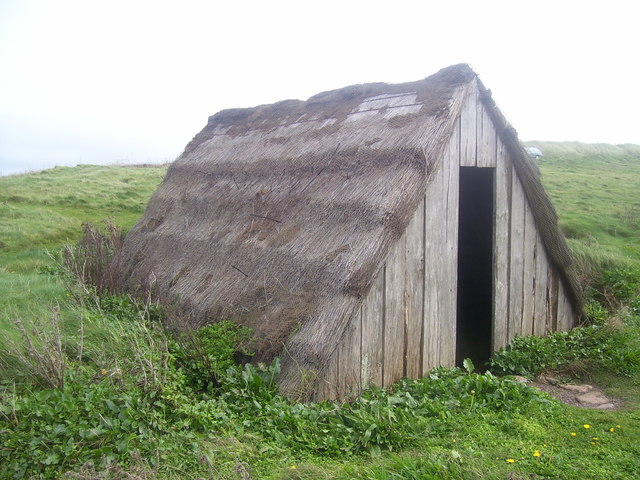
x: 367, y: 234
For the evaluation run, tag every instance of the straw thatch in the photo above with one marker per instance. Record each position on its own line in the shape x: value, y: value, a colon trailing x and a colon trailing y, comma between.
x: 279, y: 216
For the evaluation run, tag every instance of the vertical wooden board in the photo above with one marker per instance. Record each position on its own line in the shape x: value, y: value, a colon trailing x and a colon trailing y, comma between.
x: 452, y: 155
x: 516, y: 269
x: 549, y: 300
x: 502, y: 245
x: 393, y: 361
x: 449, y: 286
x: 560, y: 314
x: 528, y: 296
x: 433, y: 262
x: 372, y: 333
x: 552, y: 306
x: 570, y: 314
x: 350, y: 359
x: 414, y: 294
x: 565, y: 311
x: 468, y: 130
x: 541, y: 293
x: 328, y: 388
x: 487, y: 138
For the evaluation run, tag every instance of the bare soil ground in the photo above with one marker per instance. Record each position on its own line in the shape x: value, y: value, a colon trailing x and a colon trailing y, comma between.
x: 579, y: 395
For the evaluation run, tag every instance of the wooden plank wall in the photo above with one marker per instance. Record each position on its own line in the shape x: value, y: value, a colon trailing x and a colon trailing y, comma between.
x: 516, y: 258
x: 536, y: 301
x: 414, y: 287
x: 407, y: 323
x: 372, y: 318
x: 445, y: 261
x: 394, y: 318
x: 502, y: 240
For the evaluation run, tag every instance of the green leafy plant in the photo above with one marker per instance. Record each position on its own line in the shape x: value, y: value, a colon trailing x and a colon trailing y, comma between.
x: 531, y: 355
x: 205, y: 354
x: 619, y: 284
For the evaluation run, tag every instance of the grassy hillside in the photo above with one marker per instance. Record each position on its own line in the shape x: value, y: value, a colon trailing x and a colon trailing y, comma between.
x: 115, y: 395
x: 596, y: 191
x: 42, y: 210
x: 46, y: 208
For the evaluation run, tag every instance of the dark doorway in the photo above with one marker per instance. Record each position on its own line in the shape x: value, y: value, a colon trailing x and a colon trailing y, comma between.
x: 475, y: 266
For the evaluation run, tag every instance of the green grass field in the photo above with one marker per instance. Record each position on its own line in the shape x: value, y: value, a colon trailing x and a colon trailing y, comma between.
x: 595, y: 191
x: 41, y: 211
x: 119, y: 397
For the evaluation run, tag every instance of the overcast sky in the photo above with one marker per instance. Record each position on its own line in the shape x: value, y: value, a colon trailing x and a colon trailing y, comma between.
x: 84, y: 81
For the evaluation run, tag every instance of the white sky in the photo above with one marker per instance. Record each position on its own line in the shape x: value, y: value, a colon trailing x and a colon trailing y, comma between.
x: 85, y: 81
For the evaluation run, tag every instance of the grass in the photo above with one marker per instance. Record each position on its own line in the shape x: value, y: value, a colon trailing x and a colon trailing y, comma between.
x: 132, y: 403
x: 595, y: 191
x: 41, y: 211
x: 47, y: 208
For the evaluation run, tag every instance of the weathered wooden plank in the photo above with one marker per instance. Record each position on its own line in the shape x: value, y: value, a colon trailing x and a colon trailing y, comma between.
x: 528, y: 296
x: 372, y: 333
x: 486, y: 148
x: 468, y: 130
x: 502, y: 209
x: 449, y: 259
x: 414, y: 294
x: 394, y: 315
x: 540, y: 307
x: 328, y: 388
x: 570, y: 314
x: 552, y: 306
x: 452, y: 155
x: 434, y: 238
x: 349, y: 359
x: 516, y: 269
x: 565, y: 311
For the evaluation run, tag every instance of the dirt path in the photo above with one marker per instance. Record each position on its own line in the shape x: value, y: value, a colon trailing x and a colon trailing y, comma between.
x: 579, y: 395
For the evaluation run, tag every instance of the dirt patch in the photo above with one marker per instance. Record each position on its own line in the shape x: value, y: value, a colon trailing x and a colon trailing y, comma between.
x: 578, y: 395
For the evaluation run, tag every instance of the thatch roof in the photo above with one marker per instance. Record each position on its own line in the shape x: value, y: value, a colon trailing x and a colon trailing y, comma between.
x: 279, y: 216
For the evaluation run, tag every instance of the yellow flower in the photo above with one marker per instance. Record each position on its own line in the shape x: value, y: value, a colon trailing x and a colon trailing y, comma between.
x: 510, y: 460
x: 536, y: 453
x: 103, y: 371
x: 618, y: 426
x: 292, y: 467
x: 612, y: 429
x: 586, y: 425
x: 573, y: 434
x: 595, y: 439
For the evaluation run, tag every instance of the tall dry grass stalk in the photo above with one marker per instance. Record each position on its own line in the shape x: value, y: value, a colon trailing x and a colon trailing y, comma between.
x: 89, y: 262
x: 41, y: 351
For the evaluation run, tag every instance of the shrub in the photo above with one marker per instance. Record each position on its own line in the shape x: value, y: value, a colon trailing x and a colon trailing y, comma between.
x: 89, y: 421
x: 40, y: 354
x: 634, y: 305
x: 595, y: 312
x: 530, y: 355
x: 247, y: 401
x: 619, y: 284
x: 89, y: 262
x: 204, y: 355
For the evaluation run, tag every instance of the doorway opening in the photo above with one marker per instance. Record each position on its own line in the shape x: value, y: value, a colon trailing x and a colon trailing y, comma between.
x: 475, y: 266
